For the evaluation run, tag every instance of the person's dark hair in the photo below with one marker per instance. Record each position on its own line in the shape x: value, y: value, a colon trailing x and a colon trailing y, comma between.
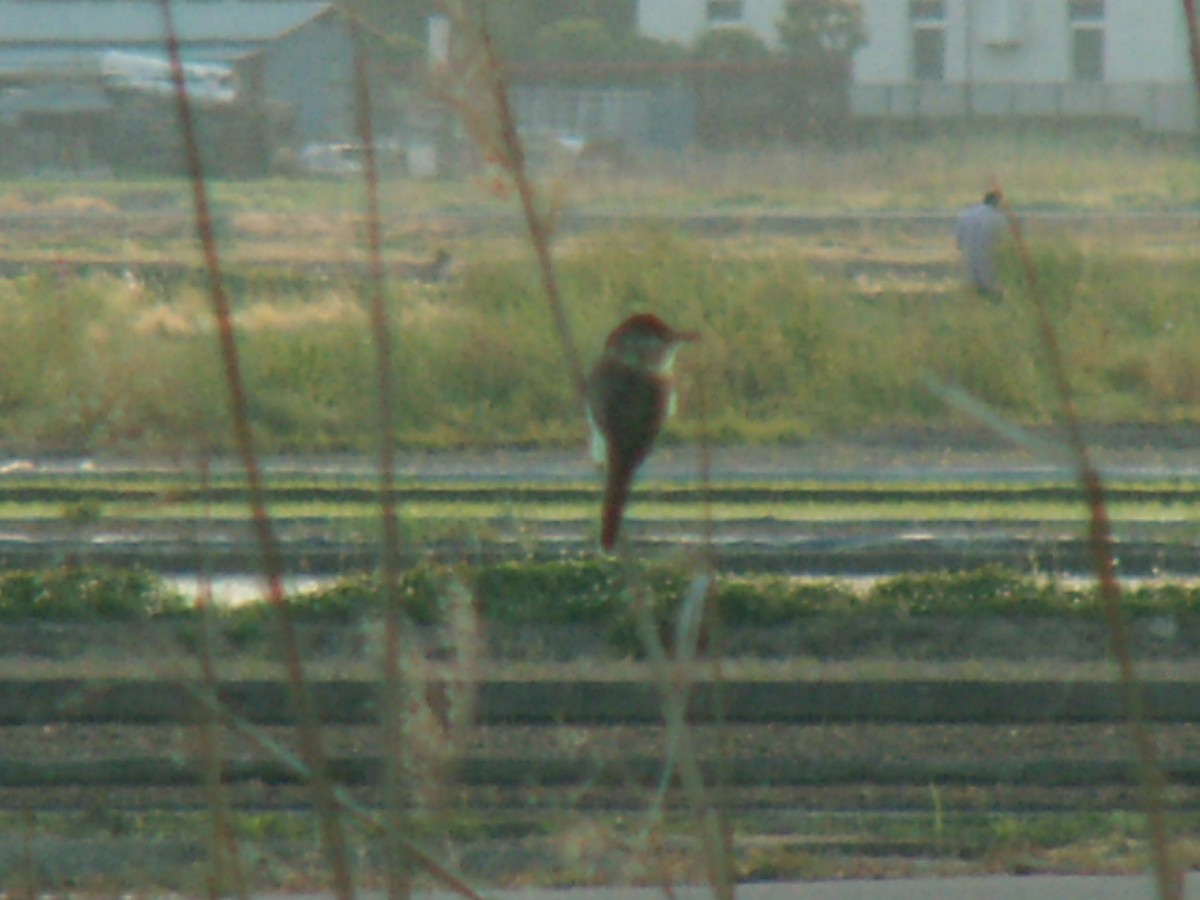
x: 992, y: 198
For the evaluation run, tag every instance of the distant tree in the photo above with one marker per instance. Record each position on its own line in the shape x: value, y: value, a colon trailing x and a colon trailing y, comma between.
x: 514, y: 24
x: 822, y: 29
x: 574, y: 40
x: 820, y: 37
x: 730, y: 45
x: 640, y: 48
x: 736, y: 99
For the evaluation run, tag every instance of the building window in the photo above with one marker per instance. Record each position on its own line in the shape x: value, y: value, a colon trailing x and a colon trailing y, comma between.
x: 724, y: 11
x: 929, y: 11
x: 928, y: 20
x: 1087, y: 39
x: 1086, y: 10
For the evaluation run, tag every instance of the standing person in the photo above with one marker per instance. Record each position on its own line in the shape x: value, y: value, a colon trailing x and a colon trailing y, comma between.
x: 977, y: 234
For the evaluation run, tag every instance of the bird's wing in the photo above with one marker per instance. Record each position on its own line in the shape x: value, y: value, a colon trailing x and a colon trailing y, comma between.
x: 629, y: 406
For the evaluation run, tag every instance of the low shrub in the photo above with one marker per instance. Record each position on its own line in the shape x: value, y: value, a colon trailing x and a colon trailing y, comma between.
x: 989, y: 589
x: 583, y: 591
x: 72, y: 593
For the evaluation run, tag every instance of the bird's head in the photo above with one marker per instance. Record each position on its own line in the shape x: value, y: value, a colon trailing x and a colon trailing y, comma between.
x: 646, y: 342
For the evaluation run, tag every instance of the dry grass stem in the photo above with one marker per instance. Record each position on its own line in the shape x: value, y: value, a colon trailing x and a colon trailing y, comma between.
x: 308, y: 727
x: 674, y: 684
x: 494, y: 127
x: 1193, y: 26
x: 479, y: 94
x: 398, y: 871
x: 1168, y: 878
x: 228, y: 870
x: 346, y: 803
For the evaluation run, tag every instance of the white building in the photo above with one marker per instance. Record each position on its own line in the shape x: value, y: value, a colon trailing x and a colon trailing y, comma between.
x: 937, y: 58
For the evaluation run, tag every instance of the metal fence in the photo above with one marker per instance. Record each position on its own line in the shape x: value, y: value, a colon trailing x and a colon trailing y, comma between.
x: 1163, y: 108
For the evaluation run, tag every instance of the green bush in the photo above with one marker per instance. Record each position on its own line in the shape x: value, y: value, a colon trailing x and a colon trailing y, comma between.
x: 419, y: 593
x: 578, y: 591
x: 557, y: 592
x: 990, y: 589
x: 71, y: 593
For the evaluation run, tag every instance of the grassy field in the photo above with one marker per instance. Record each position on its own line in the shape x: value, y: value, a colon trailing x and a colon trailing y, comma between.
x: 798, y: 342
x: 107, y: 346
x: 1101, y: 170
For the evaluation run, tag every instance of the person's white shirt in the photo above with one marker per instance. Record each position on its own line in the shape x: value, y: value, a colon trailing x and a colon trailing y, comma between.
x: 977, y: 233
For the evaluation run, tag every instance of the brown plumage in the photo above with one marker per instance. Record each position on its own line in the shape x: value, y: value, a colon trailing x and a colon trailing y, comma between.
x: 630, y: 393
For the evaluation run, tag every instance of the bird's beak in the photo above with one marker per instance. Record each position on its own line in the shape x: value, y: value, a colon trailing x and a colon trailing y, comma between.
x: 681, y: 336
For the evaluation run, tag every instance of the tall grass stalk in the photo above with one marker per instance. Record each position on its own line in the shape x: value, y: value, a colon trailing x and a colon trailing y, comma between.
x: 674, y: 684
x: 256, y: 736
x: 483, y: 104
x: 308, y: 725
x: 228, y: 871
x: 399, y: 875
x: 1193, y: 26
x: 494, y: 125
x: 1169, y: 879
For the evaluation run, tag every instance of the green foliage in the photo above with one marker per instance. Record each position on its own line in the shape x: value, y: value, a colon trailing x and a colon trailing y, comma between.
x: 822, y: 29
x: 73, y: 370
x: 87, y: 511
x: 766, y: 600
x: 986, y: 590
x: 419, y: 594
x: 1176, y: 599
x: 730, y: 45
x: 314, y: 381
x: 549, y: 593
x: 70, y: 593
x: 517, y: 32
x: 787, y: 354
x: 576, y: 591
x: 575, y: 40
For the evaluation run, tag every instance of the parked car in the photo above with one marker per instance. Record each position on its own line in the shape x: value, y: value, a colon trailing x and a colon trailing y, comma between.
x: 330, y: 159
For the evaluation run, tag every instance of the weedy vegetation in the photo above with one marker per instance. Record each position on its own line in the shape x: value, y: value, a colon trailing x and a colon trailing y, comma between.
x: 116, y: 347
x: 575, y: 592
x: 792, y: 351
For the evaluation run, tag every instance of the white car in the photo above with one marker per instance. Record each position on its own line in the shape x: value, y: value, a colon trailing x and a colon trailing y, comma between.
x: 331, y: 159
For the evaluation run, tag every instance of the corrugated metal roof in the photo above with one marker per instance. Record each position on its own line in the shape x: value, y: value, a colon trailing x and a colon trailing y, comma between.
x: 68, y: 98
x: 81, y: 22
x: 59, y: 62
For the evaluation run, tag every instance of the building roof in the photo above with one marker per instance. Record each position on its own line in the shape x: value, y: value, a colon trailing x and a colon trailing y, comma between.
x: 54, y: 99
x: 99, y: 23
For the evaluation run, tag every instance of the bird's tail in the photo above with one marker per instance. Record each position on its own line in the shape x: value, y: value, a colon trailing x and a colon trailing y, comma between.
x: 616, y: 493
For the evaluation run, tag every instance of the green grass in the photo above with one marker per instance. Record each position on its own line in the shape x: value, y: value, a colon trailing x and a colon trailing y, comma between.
x: 468, y: 514
x: 787, y: 355
x: 1099, y: 169
x: 580, y: 591
x: 95, y: 364
x: 350, y: 501
x: 474, y: 515
x: 792, y: 349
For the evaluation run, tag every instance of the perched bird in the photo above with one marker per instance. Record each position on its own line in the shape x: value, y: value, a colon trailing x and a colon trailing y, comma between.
x: 630, y: 393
